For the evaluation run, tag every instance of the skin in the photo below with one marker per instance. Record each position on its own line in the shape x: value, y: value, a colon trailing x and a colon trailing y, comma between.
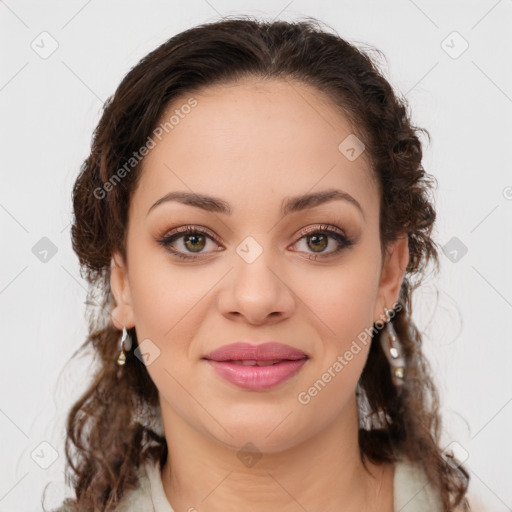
x: 252, y: 144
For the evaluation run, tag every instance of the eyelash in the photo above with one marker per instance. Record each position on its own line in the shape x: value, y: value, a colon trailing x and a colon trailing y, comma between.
x: 336, y: 234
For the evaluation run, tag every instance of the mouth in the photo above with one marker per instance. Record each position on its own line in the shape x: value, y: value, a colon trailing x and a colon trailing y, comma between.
x: 256, y: 367
x: 266, y: 353
x: 252, y: 362
x: 251, y: 376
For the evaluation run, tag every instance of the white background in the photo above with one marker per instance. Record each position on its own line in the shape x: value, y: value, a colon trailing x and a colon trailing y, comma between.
x: 51, y: 106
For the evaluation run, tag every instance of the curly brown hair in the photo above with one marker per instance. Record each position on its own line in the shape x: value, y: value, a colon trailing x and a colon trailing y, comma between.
x: 113, y: 428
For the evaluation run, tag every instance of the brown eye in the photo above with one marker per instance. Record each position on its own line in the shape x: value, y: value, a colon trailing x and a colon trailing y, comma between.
x: 188, y: 241
x: 318, y: 242
x: 194, y: 243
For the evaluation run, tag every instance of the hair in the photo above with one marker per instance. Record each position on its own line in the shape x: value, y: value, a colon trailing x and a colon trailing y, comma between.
x: 111, y: 429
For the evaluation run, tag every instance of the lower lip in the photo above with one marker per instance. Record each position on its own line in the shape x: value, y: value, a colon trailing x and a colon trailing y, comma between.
x: 257, y: 378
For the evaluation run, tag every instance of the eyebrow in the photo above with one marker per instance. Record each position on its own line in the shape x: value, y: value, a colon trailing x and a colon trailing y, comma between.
x: 289, y: 205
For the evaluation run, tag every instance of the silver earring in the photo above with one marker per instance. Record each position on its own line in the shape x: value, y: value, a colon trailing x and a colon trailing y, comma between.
x: 391, y: 347
x: 124, y: 343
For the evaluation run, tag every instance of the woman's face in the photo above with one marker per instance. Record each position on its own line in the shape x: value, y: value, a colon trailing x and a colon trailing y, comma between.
x: 265, y: 269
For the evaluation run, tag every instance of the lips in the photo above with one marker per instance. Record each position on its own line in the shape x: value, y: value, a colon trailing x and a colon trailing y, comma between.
x: 263, y: 354
x: 254, y: 362
x: 256, y: 367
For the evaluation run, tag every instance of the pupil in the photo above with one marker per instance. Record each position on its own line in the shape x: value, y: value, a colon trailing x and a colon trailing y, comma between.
x: 316, y: 237
x: 194, y: 237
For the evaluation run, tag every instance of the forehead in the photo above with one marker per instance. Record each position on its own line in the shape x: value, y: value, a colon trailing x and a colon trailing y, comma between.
x: 253, y: 140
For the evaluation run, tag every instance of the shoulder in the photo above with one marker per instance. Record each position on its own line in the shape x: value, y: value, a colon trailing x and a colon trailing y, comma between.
x: 149, y: 495
x: 67, y: 506
x: 412, y: 490
x: 138, y: 498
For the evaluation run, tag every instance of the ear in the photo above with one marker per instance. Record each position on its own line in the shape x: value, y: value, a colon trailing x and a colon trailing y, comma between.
x: 122, y: 312
x: 393, y: 269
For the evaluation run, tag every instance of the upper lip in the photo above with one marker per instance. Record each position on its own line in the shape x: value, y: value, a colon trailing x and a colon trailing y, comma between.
x: 269, y: 351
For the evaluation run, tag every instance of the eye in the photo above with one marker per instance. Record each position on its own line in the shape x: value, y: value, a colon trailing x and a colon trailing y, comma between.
x: 318, y: 240
x: 193, y: 240
x: 188, y: 242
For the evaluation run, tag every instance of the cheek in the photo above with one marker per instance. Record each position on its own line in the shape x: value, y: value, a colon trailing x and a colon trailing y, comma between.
x: 168, y: 311
x: 165, y: 295
x: 342, y: 299
x: 344, y: 306
x: 171, y: 303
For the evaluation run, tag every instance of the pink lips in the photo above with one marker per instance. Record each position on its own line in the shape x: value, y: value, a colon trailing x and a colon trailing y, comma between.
x: 256, y: 367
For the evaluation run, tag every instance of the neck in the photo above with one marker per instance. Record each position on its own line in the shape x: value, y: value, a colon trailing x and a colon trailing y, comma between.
x: 325, y: 472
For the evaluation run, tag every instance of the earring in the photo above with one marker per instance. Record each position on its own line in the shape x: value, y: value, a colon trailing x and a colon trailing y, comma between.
x: 124, y: 342
x: 391, y: 347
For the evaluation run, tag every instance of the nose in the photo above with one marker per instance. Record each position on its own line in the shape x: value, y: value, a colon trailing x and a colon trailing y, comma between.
x: 257, y: 291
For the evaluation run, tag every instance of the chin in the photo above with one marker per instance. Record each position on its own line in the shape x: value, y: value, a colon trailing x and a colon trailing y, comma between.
x: 252, y: 434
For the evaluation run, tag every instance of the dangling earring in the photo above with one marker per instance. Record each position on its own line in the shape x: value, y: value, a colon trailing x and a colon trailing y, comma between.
x: 391, y: 347
x: 124, y: 342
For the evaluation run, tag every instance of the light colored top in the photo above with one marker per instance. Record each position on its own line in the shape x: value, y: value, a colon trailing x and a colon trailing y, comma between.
x: 412, y: 491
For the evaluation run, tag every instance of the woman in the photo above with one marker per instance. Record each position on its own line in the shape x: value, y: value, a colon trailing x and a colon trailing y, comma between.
x: 254, y: 216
